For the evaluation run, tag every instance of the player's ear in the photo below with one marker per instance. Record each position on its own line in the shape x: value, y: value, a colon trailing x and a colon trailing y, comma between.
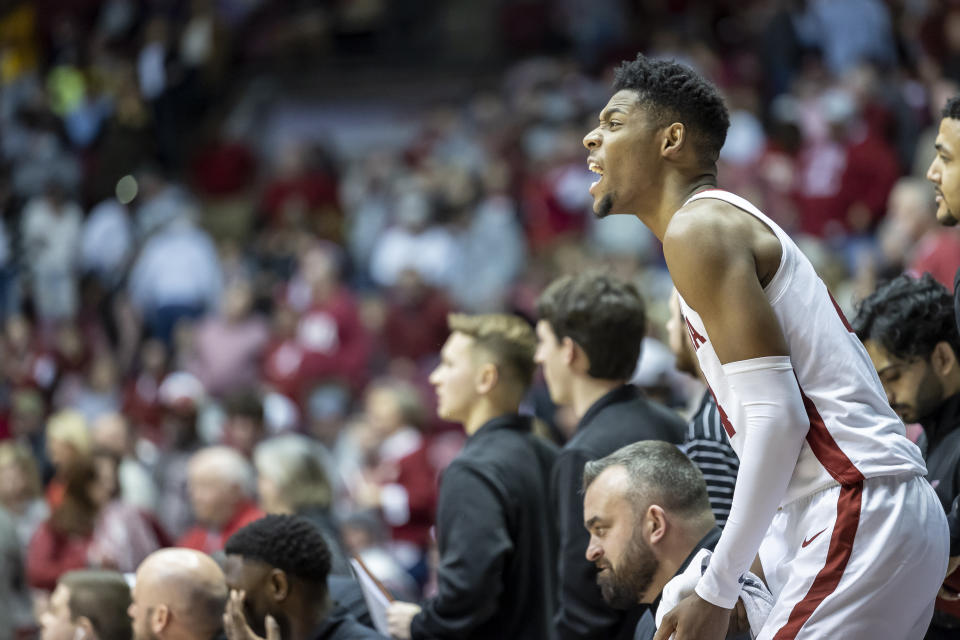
x: 943, y: 359
x: 674, y: 138
x: 654, y: 524
x: 487, y: 378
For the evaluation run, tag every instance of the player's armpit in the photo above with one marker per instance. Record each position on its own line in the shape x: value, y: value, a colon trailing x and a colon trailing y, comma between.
x: 713, y: 266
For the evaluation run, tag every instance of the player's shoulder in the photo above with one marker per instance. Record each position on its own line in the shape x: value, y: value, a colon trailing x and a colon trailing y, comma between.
x: 707, y: 230
x: 706, y: 219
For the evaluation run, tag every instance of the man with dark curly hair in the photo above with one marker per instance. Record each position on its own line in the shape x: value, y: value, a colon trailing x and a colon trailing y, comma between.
x: 908, y: 328
x: 276, y: 569
x: 829, y: 488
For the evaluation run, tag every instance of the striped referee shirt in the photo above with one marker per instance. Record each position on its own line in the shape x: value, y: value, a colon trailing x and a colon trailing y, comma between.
x: 707, y: 445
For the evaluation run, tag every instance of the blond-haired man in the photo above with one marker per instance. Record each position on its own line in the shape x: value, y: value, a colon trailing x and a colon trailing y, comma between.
x: 497, y: 547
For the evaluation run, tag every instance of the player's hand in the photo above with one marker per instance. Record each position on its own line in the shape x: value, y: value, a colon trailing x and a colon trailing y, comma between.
x: 739, y: 622
x: 946, y: 593
x: 694, y: 619
x: 399, y: 617
x: 235, y: 625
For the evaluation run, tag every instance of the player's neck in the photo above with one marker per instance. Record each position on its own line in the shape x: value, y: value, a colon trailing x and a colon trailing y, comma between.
x: 586, y: 391
x: 676, y: 191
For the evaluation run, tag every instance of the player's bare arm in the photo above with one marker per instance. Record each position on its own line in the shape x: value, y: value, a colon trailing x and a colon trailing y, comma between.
x: 720, y: 258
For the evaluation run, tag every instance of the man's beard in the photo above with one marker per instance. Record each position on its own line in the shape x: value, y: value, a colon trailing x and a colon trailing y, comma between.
x: 623, y: 589
x: 605, y: 207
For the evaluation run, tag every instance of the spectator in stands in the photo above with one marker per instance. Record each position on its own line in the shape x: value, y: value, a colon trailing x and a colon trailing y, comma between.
x: 399, y: 480
x: 15, y: 603
x: 228, y: 347
x: 647, y: 512
x: 335, y: 345
x: 706, y: 442
x: 89, y: 528
x: 21, y: 496
x: 111, y: 433
x: 495, y: 533
x: 180, y: 396
x: 277, y: 570
x: 910, y: 332
x: 911, y: 239
x: 293, y: 478
x: 243, y: 427
x: 176, y: 276
x: 179, y: 594
x: 221, y: 484
x: 68, y: 443
x: 588, y: 342
x: 50, y: 230
x: 91, y: 605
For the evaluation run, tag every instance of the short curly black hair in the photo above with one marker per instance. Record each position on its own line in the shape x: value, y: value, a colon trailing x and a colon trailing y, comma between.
x: 605, y: 316
x: 952, y: 108
x: 674, y: 92
x: 908, y: 317
x: 290, y: 543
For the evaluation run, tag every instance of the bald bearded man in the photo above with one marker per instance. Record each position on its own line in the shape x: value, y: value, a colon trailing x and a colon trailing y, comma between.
x: 180, y: 594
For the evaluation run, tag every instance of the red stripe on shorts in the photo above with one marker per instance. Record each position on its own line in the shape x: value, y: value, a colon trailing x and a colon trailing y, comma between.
x: 838, y: 554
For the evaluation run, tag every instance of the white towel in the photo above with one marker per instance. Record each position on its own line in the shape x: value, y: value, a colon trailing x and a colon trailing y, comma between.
x: 757, y: 599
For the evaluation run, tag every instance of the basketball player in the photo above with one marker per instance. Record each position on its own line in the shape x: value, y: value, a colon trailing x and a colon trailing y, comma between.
x: 857, y: 540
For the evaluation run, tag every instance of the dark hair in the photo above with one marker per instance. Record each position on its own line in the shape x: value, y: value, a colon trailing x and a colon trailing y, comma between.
x: 673, y: 92
x: 659, y: 473
x: 245, y: 404
x: 908, y: 317
x: 77, y: 512
x: 952, y: 108
x: 103, y: 597
x: 605, y: 316
x: 285, y: 542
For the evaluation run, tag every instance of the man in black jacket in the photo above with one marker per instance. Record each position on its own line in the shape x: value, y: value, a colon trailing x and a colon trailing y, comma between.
x: 944, y: 173
x: 589, y: 335
x: 908, y: 328
x: 494, y: 530
x: 277, y: 568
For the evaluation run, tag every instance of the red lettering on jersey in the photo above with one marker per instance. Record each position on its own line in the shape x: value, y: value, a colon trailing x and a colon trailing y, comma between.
x: 695, y: 337
x: 724, y: 420
x: 843, y: 318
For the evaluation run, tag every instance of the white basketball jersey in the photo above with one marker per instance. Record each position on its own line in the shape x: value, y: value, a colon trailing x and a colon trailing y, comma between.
x: 854, y: 434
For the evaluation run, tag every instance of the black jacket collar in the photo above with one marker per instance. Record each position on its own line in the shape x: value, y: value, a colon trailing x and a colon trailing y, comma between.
x: 623, y: 393
x: 509, y: 421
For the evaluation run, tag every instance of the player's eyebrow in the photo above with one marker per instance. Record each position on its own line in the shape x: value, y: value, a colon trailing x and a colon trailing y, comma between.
x: 939, y: 146
x: 880, y: 372
x: 592, y: 521
x: 609, y: 111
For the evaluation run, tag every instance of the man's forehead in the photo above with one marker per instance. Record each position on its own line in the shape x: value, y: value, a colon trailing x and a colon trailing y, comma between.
x: 625, y: 100
x: 949, y: 133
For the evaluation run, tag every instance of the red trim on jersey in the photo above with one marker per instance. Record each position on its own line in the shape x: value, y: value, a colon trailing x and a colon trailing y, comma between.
x: 724, y: 420
x: 838, y: 554
x: 843, y: 318
x: 828, y: 452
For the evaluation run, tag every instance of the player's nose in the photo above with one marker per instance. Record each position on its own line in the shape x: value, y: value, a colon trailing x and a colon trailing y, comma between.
x: 592, y: 140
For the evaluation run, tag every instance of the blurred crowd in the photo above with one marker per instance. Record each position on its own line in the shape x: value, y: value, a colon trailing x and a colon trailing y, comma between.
x: 201, y: 324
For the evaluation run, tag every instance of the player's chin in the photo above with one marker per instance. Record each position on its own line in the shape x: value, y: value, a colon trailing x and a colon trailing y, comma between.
x: 945, y: 216
x: 603, y: 205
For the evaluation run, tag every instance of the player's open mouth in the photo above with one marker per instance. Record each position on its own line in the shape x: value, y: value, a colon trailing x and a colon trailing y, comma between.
x: 596, y: 168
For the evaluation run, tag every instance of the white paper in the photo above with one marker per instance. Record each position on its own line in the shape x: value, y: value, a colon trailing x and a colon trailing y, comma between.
x: 377, y: 601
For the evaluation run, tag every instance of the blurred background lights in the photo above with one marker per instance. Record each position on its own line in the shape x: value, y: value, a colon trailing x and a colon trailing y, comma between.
x: 126, y: 189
